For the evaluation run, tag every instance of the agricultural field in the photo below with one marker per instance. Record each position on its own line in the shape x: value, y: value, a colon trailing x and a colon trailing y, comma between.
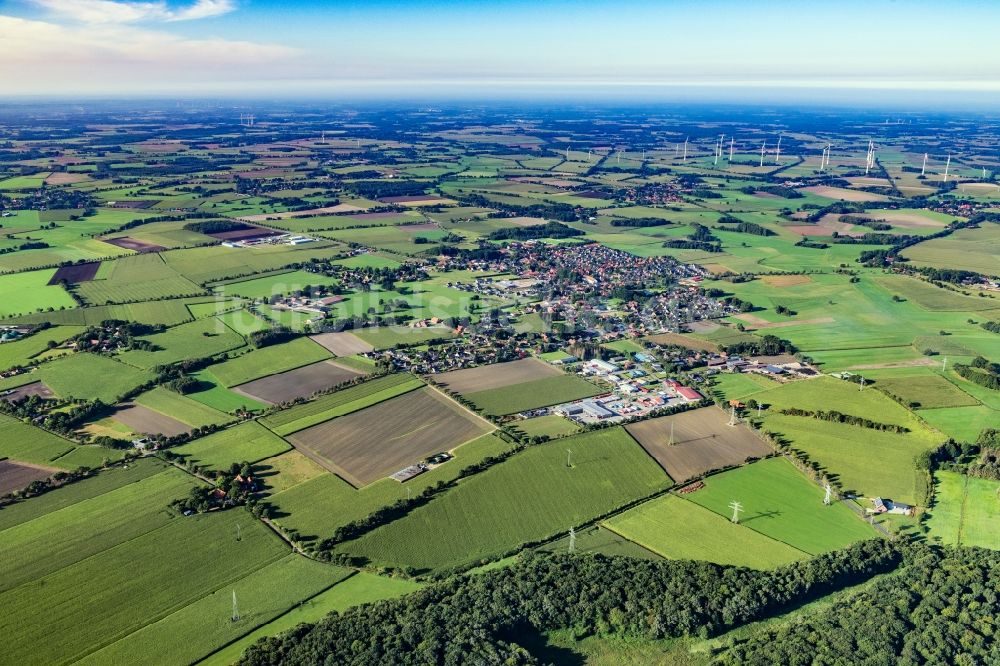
x: 16, y: 475
x: 247, y: 442
x: 20, y: 352
x: 321, y: 502
x: 515, y: 398
x: 268, y: 361
x: 73, y: 377
x: 412, y: 253
x: 376, y: 441
x: 23, y: 293
x: 347, y: 400
x: 697, y: 441
x: 780, y: 503
x: 496, y: 376
x: 678, y: 529
x: 200, y: 338
x: 274, y: 285
x: 965, y: 510
x: 299, y: 383
x: 531, y: 496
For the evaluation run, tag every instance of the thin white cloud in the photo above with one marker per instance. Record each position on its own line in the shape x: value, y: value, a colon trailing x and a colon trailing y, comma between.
x: 113, y: 11
x: 40, y: 57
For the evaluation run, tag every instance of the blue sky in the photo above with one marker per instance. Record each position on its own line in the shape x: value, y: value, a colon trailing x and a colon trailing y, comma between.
x: 708, y: 48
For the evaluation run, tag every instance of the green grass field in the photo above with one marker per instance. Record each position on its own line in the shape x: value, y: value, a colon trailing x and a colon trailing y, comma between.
x: 169, y: 568
x: 27, y: 443
x: 547, y: 426
x: 965, y: 510
x: 319, y: 505
x: 780, y: 503
x: 272, y: 285
x: 19, y: 352
x: 182, y: 408
x: 926, y: 389
x: 361, y: 588
x: 531, y: 496
x: 212, y: 393
x: 678, y: 529
x: 264, y: 596
x: 870, y: 462
x: 53, y: 541
x: 384, y: 337
x: 345, y: 401
x: 197, y: 339
x: 22, y: 293
x: 248, y: 442
x: 74, y: 377
x: 268, y: 361
x: 103, y: 482
x: 530, y: 395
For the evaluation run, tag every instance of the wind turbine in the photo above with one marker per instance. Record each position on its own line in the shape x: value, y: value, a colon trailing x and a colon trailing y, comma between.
x: 923, y: 168
x: 763, y: 147
x: 947, y: 166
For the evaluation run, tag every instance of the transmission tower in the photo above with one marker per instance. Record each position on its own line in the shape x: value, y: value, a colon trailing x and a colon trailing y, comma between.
x: 862, y: 384
x: 732, y: 417
x: 829, y: 494
x: 736, y: 507
x: 236, y: 609
x: 572, y: 540
x: 239, y: 533
x: 671, y: 442
x: 944, y: 364
x: 569, y: 457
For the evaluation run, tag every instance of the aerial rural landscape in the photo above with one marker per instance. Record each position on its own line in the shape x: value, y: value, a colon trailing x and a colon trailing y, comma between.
x: 297, y: 382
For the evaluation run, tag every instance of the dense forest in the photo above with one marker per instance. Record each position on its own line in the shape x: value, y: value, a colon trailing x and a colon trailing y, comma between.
x: 477, y: 618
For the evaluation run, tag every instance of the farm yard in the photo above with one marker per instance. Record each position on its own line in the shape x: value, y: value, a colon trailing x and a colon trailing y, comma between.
x: 376, y: 441
x: 702, y: 441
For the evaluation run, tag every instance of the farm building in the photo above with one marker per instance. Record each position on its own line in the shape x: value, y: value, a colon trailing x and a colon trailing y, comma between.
x: 688, y: 393
x: 883, y: 505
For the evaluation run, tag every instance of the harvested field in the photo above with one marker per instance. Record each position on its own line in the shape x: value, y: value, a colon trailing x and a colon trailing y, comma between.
x: 147, y: 421
x: 525, y: 221
x: 244, y: 234
x: 75, y: 273
x: 342, y: 344
x: 298, y: 383
x: 786, y: 280
x: 22, y: 392
x: 484, y: 378
x: 757, y: 322
x: 682, y: 340
x: 703, y: 326
x: 417, y: 200
x: 704, y: 441
x: 375, y: 442
x: 417, y: 228
x: 134, y: 244
x: 905, y: 220
x: 17, y: 475
x: 65, y: 178
x: 328, y: 210
x: 842, y: 193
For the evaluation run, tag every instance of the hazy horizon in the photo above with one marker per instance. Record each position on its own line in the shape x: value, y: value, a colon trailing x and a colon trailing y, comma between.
x: 845, y: 53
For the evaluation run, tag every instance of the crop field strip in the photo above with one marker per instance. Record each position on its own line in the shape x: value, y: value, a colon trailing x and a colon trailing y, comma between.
x: 496, y: 376
x: 299, y: 383
x: 376, y: 441
x: 533, y: 394
x: 347, y: 400
x: 268, y: 361
x: 531, y: 496
x: 703, y: 441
